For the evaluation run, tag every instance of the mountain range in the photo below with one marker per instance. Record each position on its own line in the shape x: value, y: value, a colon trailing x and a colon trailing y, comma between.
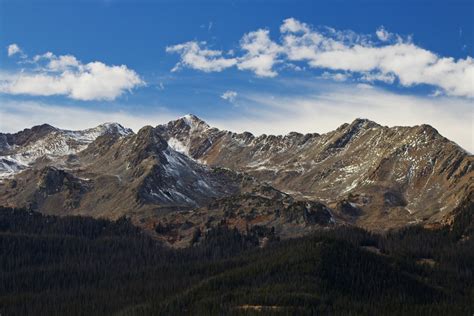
x: 179, y: 179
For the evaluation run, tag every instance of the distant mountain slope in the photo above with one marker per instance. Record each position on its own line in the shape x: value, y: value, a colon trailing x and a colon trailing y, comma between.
x: 377, y: 176
x: 19, y: 150
x: 116, y: 176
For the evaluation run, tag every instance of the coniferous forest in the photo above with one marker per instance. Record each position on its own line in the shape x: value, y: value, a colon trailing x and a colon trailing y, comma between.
x: 83, y: 266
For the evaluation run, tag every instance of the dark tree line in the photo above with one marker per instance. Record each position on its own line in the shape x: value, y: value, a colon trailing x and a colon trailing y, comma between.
x: 82, y: 266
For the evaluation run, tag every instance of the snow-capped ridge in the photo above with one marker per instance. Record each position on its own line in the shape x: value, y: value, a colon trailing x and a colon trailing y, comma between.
x: 115, y: 127
x: 18, y: 151
x: 90, y: 134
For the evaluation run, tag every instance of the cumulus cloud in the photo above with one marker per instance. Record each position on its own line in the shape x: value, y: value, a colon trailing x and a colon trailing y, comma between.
x: 260, y: 56
x: 66, y: 75
x: 58, y: 63
x: 261, y: 53
x: 384, y: 57
x: 229, y: 95
x: 13, y: 49
x: 294, y: 26
x: 195, y: 57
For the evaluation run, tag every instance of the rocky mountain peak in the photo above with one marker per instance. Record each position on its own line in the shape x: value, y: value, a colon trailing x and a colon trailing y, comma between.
x: 364, y: 123
x: 29, y: 134
x: 147, y: 142
x: 346, y: 133
x: 193, y: 121
x: 115, y: 128
x: 42, y: 128
x: 187, y: 124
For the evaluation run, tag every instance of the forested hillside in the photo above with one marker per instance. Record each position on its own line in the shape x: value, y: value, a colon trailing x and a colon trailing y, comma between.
x: 83, y: 266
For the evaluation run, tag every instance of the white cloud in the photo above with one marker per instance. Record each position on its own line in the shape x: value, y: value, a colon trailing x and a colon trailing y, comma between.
x: 410, y: 64
x: 65, y: 75
x: 388, y: 57
x: 294, y: 26
x: 195, y: 57
x: 229, y: 95
x: 377, y: 76
x: 382, y: 34
x: 58, y: 63
x: 261, y: 53
x: 13, y: 49
x: 260, y: 56
x: 338, y: 76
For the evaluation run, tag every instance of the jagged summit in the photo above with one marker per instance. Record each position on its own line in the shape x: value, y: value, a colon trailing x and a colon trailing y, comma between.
x: 359, y: 123
x: 192, y: 120
x: 365, y: 123
x: 114, y: 128
x: 47, y: 128
x: 42, y: 127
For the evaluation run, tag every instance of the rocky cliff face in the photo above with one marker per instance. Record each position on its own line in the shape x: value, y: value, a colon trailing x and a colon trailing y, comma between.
x: 186, y: 176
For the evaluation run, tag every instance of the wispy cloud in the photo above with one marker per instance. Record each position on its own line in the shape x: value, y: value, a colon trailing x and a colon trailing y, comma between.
x: 229, y: 95
x: 383, y: 34
x: 14, y: 49
x: 383, y: 56
x: 337, y: 76
x: 49, y: 74
x: 195, y: 57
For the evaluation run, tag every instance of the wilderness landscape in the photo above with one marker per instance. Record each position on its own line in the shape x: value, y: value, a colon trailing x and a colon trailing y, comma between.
x: 236, y: 158
x: 191, y: 218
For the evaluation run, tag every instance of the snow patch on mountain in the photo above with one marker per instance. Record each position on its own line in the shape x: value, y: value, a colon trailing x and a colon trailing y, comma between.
x: 178, y: 146
x: 9, y: 167
x: 56, y: 144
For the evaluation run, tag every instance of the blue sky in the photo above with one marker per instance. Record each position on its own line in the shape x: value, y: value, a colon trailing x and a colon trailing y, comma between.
x: 263, y: 66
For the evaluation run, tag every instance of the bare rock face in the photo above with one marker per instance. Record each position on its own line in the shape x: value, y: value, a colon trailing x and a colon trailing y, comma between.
x: 347, y: 208
x: 257, y: 206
